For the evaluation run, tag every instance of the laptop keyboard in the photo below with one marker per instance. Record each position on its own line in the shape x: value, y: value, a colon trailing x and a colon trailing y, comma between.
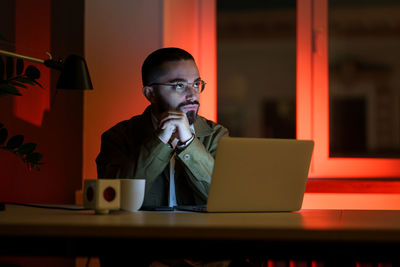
x: 197, y: 208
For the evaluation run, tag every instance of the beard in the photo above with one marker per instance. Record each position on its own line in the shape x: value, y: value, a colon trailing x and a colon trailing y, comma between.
x: 191, y: 114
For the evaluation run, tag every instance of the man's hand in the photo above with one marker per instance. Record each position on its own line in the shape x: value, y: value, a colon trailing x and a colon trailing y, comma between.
x: 174, y: 122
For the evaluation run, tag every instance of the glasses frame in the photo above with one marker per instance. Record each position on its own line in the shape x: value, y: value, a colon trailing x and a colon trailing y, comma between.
x: 186, y: 87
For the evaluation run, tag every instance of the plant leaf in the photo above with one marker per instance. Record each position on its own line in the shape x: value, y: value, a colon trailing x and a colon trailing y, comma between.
x: 3, y: 135
x: 20, y: 66
x: 15, y: 141
x: 37, y: 83
x: 18, y: 84
x: 27, y: 80
x: 24, y: 80
x: 32, y: 72
x: 26, y: 149
x: 33, y: 158
x: 9, y: 89
x: 9, y: 67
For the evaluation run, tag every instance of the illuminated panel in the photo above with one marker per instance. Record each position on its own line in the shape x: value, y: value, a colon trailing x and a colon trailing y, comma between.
x: 304, y: 77
x: 313, y: 100
x: 349, y: 201
x: 32, y: 38
x: 115, y: 49
x: 195, y: 31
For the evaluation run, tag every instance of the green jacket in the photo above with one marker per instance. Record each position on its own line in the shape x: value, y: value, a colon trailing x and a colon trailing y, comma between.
x: 131, y: 149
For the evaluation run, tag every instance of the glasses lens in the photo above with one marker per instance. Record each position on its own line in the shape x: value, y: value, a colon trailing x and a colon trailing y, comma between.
x: 198, y: 86
x: 180, y: 87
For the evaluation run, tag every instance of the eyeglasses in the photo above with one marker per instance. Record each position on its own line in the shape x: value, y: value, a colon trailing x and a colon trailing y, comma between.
x: 182, y: 86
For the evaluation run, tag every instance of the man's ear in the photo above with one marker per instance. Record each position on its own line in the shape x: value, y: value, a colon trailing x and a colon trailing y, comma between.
x: 149, y: 93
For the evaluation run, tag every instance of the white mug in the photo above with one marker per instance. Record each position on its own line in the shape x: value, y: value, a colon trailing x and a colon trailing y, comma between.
x: 132, y: 194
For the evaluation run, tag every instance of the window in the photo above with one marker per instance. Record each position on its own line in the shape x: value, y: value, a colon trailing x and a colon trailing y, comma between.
x: 256, y: 58
x: 322, y: 101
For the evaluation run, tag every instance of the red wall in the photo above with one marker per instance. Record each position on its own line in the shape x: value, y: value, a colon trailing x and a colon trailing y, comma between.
x: 54, y: 123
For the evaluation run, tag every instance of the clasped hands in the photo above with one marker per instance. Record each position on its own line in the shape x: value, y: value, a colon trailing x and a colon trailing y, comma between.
x: 174, y: 123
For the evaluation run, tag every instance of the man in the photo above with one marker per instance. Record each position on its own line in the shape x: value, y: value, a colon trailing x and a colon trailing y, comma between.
x: 169, y: 145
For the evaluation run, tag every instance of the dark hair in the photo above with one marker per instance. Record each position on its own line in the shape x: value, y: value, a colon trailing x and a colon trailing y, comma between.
x: 152, y: 66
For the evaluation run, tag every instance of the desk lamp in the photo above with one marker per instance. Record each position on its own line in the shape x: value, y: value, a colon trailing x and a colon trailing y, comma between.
x: 74, y: 71
x: 74, y: 75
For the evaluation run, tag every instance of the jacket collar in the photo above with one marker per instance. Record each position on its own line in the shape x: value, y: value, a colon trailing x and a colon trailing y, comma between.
x: 147, y: 122
x: 201, y: 127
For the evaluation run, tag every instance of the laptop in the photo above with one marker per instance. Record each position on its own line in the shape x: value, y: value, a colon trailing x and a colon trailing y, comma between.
x: 258, y: 175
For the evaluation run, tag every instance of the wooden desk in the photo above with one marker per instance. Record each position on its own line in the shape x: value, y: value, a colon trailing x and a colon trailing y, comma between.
x: 305, y: 235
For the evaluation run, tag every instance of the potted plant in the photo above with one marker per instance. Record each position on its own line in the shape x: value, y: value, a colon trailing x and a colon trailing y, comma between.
x: 13, y: 77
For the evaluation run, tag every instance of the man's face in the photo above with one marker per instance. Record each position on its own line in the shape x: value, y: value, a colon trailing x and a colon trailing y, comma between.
x: 166, y: 98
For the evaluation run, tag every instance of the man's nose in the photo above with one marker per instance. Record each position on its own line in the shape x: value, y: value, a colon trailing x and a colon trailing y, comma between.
x: 190, y: 91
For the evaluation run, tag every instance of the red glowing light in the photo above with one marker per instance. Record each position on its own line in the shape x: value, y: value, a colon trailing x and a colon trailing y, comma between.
x: 197, y: 35
x: 36, y: 100
x: 313, y: 99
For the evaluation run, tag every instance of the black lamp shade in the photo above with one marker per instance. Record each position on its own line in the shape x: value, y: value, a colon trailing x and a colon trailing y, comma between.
x: 74, y: 74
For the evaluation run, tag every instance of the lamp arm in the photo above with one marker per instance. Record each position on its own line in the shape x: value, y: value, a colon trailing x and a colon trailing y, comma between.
x: 74, y: 72
x: 11, y: 54
x: 47, y: 62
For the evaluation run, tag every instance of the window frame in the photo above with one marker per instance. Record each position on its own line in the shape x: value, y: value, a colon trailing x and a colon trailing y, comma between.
x: 312, y: 100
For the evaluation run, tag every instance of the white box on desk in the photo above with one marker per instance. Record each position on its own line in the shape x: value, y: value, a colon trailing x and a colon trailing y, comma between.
x: 102, y: 195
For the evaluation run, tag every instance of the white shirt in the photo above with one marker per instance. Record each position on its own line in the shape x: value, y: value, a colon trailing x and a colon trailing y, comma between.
x: 172, y: 194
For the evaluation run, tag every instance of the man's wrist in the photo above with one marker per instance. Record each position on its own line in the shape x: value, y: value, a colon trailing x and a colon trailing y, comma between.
x: 163, y: 136
x: 182, y: 145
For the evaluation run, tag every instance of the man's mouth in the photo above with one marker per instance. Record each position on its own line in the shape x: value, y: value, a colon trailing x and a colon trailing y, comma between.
x: 190, y: 107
